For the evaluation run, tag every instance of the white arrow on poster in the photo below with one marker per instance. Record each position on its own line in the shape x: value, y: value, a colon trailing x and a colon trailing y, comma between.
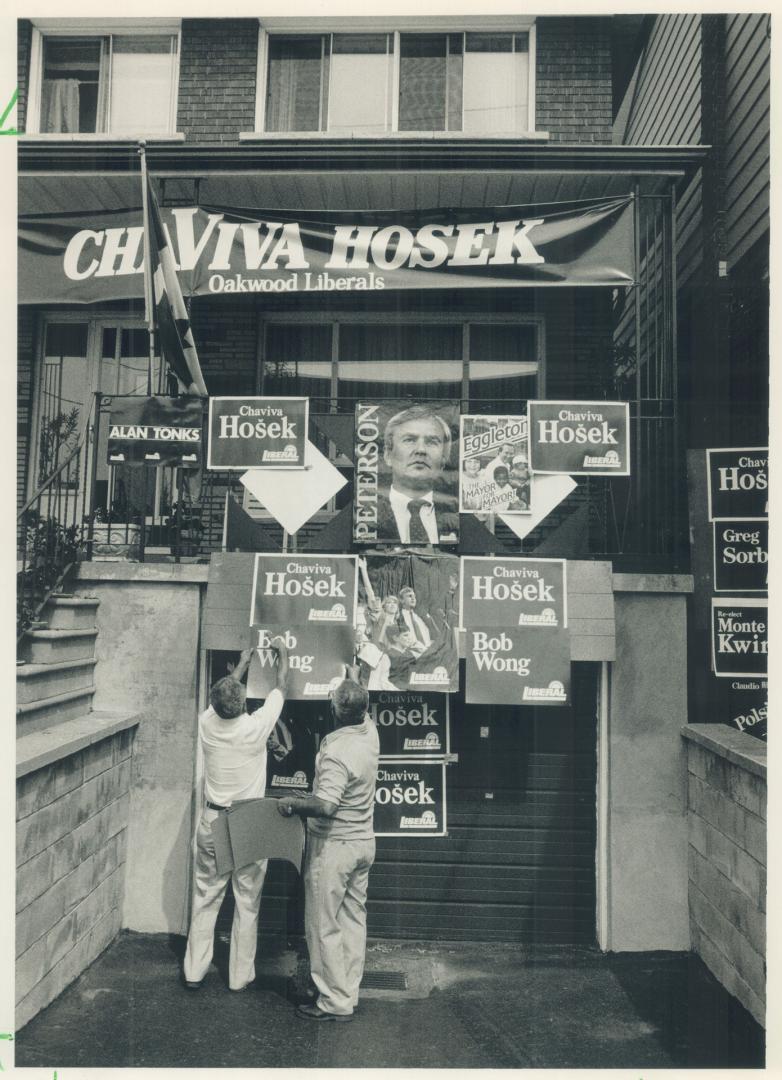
x: 547, y: 492
x: 318, y: 483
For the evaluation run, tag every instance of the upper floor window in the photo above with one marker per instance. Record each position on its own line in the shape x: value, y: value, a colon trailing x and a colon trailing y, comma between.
x: 114, y: 83
x: 378, y: 83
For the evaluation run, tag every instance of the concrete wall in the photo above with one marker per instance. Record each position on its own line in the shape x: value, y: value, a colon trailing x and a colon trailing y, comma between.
x: 646, y: 772
x: 147, y: 650
x: 71, y: 849
x: 727, y: 858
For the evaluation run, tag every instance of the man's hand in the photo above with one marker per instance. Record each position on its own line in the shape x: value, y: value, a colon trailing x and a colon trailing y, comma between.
x: 240, y: 670
x: 277, y: 643
x: 281, y: 649
x: 285, y: 807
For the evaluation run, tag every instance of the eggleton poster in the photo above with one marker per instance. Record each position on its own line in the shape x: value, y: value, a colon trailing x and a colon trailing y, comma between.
x: 494, y: 474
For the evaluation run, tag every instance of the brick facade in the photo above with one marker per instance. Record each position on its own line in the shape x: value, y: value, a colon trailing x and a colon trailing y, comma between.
x: 71, y: 839
x: 573, y: 79
x: 217, y: 77
x: 24, y: 35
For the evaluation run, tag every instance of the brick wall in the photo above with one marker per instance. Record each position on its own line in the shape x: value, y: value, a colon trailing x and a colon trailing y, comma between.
x: 217, y: 78
x: 71, y: 838
x: 573, y: 79
x: 25, y: 355
x: 727, y: 859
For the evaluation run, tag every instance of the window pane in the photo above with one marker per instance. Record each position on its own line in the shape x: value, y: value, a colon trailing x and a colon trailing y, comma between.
x: 298, y: 363
x: 63, y: 394
x: 422, y: 82
x: 359, y: 84
x: 69, y: 86
x: 406, y: 360
x: 496, y: 78
x: 293, y: 96
x: 142, y: 70
x: 503, y: 367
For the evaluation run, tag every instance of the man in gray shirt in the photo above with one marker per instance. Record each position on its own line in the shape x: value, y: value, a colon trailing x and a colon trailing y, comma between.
x: 340, y: 853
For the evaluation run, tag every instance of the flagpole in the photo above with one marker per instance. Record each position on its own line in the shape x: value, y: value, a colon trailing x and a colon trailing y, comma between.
x: 149, y: 310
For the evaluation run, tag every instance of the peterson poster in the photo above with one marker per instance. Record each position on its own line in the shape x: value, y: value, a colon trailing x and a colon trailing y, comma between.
x: 517, y: 666
x: 155, y: 431
x: 410, y: 799
x: 406, y: 479
x: 581, y: 438
x: 494, y: 474
x: 406, y: 623
x: 257, y: 432
x: 304, y: 590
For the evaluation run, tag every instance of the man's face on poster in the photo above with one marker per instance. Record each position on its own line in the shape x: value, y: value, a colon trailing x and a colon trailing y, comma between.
x: 417, y: 454
x: 408, y: 599
x: 472, y: 467
x: 506, y: 452
x: 519, y: 475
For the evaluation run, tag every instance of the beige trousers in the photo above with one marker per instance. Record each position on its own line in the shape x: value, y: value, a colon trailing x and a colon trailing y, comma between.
x: 336, y: 874
x: 208, y: 892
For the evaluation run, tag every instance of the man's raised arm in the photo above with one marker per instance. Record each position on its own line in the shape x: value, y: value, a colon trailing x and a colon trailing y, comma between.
x: 281, y: 649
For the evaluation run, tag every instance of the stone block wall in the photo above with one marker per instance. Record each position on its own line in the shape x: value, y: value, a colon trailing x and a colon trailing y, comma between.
x: 71, y: 841
x: 726, y: 776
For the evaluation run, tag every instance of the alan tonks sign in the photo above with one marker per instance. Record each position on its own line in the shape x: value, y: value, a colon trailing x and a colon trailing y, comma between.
x: 494, y: 473
x: 257, y: 432
x: 739, y: 636
x: 155, y: 431
x: 406, y: 486
x: 738, y: 483
x: 411, y: 724
x: 304, y: 590
x: 582, y: 438
x: 410, y: 798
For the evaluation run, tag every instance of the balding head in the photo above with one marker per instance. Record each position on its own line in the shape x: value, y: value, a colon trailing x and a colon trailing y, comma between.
x: 350, y: 702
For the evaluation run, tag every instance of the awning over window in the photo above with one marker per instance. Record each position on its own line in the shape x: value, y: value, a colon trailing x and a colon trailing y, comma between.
x: 88, y: 256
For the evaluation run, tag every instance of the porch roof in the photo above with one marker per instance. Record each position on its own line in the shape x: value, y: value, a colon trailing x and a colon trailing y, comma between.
x: 351, y: 174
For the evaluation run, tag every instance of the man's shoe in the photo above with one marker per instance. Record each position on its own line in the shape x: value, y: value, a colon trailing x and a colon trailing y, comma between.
x: 312, y: 1012
x: 191, y: 985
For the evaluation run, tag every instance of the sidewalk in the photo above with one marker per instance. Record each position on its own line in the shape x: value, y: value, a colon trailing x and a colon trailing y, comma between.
x: 433, y: 1006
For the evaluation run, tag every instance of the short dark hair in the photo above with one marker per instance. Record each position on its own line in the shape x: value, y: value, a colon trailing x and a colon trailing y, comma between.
x: 227, y: 697
x: 350, y: 701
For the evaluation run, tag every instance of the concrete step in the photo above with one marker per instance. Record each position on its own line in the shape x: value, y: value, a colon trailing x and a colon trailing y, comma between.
x: 54, y: 646
x: 35, y: 682
x: 70, y: 613
x: 36, y: 715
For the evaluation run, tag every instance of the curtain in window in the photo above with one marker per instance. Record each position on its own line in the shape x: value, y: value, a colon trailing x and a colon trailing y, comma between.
x: 60, y: 105
x: 430, y: 82
x: 293, y: 96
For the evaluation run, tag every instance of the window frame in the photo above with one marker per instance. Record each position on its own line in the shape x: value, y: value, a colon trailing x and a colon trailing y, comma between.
x: 335, y: 320
x: 396, y: 27
x: 97, y: 28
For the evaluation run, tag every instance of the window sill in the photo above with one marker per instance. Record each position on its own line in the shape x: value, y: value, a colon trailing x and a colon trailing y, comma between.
x: 389, y: 136
x: 99, y: 137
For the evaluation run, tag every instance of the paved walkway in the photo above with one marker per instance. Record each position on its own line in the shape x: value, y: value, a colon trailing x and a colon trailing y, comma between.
x: 466, y: 1006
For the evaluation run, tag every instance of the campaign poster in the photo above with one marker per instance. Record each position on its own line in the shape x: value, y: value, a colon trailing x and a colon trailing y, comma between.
x: 581, y: 438
x: 516, y: 666
x: 406, y: 622
x: 407, y: 479
x: 739, y: 637
x: 257, y: 432
x: 744, y: 705
x: 290, y: 752
x: 530, y: 593
x: 304, y: 590
x: 737, y: 483
x: 316, y: 660
x: 494, y: 473
x: 155, y: 431
x: 410, y: 798
x: 740, y: 556
x: 411, y: 724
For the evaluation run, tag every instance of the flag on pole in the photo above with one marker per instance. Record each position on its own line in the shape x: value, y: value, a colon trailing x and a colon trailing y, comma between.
x: 175, y: 335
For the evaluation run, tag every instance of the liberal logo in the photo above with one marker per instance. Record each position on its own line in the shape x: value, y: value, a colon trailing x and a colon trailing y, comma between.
x: 298, y: 780
x: 289, y: 453
x: 438, y: 677
x: 337, y: 613
x: 547, y: 617
x: 431, y: 742
x: 609, y: 460
x: 312, y: 689
x: 555, y: 691
x: 427, y: 820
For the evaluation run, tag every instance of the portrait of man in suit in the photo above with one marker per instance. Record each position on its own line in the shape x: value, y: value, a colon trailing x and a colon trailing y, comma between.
x: 418, y: 507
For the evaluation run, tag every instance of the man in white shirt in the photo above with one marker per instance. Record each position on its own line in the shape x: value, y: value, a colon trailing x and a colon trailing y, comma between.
x: 417, y: 447
x: 234, y: 748
x: 503, y: 458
